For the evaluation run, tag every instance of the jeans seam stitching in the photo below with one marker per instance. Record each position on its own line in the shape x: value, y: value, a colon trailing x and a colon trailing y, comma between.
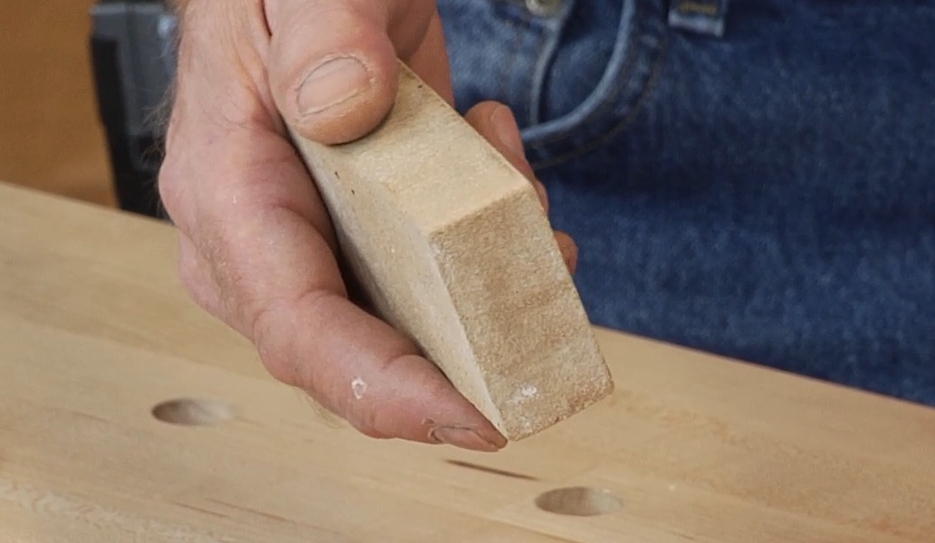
x: 608, y: 101
x: 599, y: 140
x: 506, y: 85
x: 533, y: 88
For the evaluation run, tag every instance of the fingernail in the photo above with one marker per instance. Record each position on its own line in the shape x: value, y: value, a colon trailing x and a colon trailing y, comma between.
x: 507, y: 130
x: 543, y: 195
x: 572, y: 259
x: 331, y: 83
x: 464, y: 438
x: 569, y: 250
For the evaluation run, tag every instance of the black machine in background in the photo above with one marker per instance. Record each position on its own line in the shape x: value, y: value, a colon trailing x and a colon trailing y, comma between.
x: 133, y: 55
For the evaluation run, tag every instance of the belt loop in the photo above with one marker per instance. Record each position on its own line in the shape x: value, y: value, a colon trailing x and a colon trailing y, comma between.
x: 700, y: 16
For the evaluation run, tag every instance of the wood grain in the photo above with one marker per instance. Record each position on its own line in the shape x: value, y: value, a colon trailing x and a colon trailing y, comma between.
x: 453, y: 248
x: 95, y: 331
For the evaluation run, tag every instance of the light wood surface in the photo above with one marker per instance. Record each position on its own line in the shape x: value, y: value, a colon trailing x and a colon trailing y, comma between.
x: 95, y: 332
x: 452, y: 247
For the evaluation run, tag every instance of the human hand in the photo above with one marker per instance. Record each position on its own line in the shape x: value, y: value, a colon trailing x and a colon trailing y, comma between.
x: 257, y: 248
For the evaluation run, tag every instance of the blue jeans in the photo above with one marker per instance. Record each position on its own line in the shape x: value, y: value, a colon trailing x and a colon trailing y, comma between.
x: 766, y: 192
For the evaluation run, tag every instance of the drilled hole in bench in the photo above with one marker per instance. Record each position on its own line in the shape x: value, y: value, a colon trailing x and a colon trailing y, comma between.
x: 578, y: 501
x: 193, y: 412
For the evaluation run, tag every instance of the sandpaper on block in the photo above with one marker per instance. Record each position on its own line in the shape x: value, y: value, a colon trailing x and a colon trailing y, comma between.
x: 452, y: 247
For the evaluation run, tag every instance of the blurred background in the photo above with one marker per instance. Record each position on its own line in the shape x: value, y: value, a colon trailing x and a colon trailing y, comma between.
x: 51, y: 136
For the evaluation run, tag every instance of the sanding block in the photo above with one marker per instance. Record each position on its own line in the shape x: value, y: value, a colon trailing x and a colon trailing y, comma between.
x: 452, y: 247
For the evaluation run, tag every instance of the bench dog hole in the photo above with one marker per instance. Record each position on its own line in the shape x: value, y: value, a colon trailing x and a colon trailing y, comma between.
x: 578, y: 501
x: 193, y: 412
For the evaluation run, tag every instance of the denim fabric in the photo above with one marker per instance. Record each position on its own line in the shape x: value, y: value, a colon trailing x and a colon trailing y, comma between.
x: 768, y: 194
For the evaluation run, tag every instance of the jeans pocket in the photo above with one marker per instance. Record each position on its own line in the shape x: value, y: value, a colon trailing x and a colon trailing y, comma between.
x: 627, y: 78
x: 574, y: 72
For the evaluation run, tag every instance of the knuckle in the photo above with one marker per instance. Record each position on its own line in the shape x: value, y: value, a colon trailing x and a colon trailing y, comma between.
x: 368, y: 430
x: 169, y: 185
x: 367, y: 418
x: 195, y: 279
x: 262, y: 331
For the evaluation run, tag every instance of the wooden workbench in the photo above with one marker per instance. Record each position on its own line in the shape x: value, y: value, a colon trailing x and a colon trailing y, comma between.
x: 95, y: 332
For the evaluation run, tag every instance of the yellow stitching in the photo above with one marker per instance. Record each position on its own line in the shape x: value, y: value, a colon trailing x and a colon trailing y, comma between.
x: 698, y: 7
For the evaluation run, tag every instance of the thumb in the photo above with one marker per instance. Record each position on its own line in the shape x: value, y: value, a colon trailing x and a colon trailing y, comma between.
x: 332, y: 66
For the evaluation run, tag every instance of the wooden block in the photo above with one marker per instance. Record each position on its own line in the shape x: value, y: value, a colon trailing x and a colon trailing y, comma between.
x: 452, y: 246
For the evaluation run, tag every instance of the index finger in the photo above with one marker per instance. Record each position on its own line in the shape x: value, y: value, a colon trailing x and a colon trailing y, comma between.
x: 237, y: 188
